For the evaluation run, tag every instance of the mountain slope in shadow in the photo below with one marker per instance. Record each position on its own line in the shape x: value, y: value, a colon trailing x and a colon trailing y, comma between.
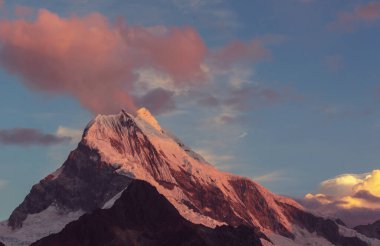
x: 371, y: 230
x: 142, y: 216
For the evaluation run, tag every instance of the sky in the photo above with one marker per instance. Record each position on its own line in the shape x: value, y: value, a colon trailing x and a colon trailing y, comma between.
x: 284, y: 92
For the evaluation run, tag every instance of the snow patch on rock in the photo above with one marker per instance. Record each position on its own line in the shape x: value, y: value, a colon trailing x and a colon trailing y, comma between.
x: 36, y: 226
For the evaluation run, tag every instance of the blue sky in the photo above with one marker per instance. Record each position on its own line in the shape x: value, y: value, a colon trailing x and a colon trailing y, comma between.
x: 325, y: 120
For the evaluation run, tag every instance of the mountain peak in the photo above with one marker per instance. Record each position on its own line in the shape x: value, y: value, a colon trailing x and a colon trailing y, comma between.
x: 118, y: 148
x: 145, y: 115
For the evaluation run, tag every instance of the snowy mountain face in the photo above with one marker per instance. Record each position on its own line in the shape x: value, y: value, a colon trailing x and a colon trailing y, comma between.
x: 116, y: 149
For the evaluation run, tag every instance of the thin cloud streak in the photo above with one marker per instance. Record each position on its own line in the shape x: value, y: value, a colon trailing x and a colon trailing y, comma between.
x: 75, y: 135
x: 220, y: 161
x: 30, y: 136
x: 270, y: 177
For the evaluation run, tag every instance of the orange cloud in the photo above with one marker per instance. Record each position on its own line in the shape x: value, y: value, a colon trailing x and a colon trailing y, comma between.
x: 94, y: 60
x: 355, y: 197
x: 363, y: 14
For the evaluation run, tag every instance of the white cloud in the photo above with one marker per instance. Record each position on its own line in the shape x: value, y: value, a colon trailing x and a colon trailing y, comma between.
x: 226, y: 114
x: 269, y: 177
x: 221, y: 161
x: 149, y: 79
x: 74, y: 134
x: 341, y: 185
x: 243, y: 135
x: 240, y: 76
x: 354, y: 198
x: 194, y: 4
x: 3, y: 183
x: 350, y: 191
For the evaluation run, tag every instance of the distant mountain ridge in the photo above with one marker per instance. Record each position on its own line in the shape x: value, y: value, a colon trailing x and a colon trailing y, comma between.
x: 116, y: 149
x: 371, y: 230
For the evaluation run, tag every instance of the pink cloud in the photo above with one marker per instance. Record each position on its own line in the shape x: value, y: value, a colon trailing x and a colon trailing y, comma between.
x: 23, y: 11
x: 334, y: 62
x: 238, y: 51
x: 362, y: 14
x: 97, y: 62
x: 94, y: 60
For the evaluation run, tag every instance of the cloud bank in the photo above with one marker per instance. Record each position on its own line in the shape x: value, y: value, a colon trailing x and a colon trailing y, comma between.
x: 30, y: 136
x: 355, y: 198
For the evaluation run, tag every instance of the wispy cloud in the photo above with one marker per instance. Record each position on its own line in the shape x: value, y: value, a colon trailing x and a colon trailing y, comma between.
x: 3, y: 183
x: 221, y: 161
x: 234, y: 102
x: 243, y: 135
x: 211, y: 14
x: 334, y: 62
x: 75, y: 135
x: 364, y: 14
x: 343, y: 112
x: 270, y: 177
x: 29, y: 136
x: 195, y: 4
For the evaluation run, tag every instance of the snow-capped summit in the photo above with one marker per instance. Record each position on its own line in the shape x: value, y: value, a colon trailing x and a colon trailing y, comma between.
x: 144, y: 114
x: 116, y: 149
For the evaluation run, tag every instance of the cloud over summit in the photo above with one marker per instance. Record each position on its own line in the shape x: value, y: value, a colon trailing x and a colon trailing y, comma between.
x: 97, y: 61
x: 94, y: 60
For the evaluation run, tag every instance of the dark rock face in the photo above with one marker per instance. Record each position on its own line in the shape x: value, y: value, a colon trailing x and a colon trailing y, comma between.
x: 371, y: 230
x: 84, y: 183
x: 210, y: 201
x: 326, y: 228
x: 202, y: 198
x: 1, y: 244
x: 142, y: 216
x: 256, y: 204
